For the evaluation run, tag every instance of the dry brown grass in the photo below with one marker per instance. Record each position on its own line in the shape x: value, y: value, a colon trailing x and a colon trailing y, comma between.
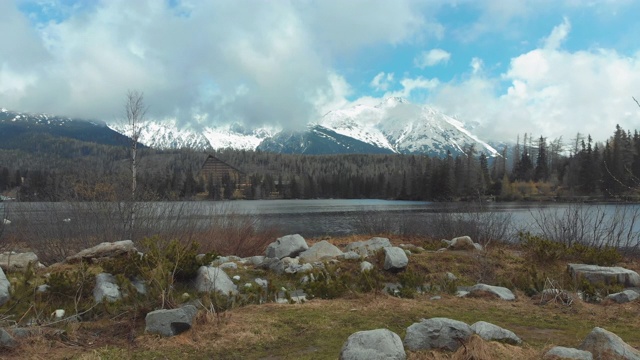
x: 478, y: 349
x: 318, y: 328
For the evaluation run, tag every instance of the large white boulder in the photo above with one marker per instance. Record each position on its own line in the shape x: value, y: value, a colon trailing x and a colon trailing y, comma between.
x: 604, y: 275
x: 212, y: 279
x: 319, y: 251
x: 170, y: 322
x: 366, y: 248
x: 604, y: 344
x: 379, y: 344
x: 395, y: 259
x: 437, y: 333
x: 104, y: 250
x: 491, y: 332
x: 12, y: 261
x: 624, y: 296
x: 286, y: 246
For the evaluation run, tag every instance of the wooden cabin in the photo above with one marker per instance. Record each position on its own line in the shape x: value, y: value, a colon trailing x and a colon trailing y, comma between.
x: 216, y: 169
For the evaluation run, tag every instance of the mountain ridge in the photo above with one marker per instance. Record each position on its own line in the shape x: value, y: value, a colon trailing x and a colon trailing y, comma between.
x: 394, y: 125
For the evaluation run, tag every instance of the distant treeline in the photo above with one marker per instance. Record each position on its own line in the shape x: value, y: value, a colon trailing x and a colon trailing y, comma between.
x: 72, y: 170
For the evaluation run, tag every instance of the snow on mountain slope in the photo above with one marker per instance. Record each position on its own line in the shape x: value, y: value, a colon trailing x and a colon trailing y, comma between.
x: 168, y: 134
x: 236, y: 136
x: 404, y: 127
x: 360, y: 123
x: 165, y: 135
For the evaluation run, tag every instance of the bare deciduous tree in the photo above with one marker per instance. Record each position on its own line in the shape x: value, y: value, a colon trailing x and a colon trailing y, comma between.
x: 135, y: 111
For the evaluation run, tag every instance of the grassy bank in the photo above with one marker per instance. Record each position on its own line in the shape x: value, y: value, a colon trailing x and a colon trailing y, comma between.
x: 318, y: 328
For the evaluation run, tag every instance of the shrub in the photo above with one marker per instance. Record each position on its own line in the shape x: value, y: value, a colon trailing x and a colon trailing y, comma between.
x: 329, y: 283
x: 605, y: 256
x: 165, y: 263
x: 411, y: 282
x: 540, y: 249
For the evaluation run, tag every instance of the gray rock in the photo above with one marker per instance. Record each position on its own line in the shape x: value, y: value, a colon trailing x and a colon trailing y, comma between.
x: 501, y: 292
x: 366, y: 248
x: 229, y: 266
x: 379, y: 344
x: 437, y: 333
x: 256, y: 260
x: 604, y: 344
x: 491, y: 332
x: 5, y: 287
x: 170, y: 322
x: 286, y: 246
x: 366, y: 266
x: 6, y: 340
x: 261, y: 282
x: 565, y: 353
x: 11, y: 261
x: 350, y: 255
x: 602, y: 274
x: 450, y: 276
x: 624, y: 296
x: 305, y: 267
x: 296, y: 296
x: 104, y: 250
x: 140, y: 286
x: 106, y: 288
x: 42, y: 288
x: 461, y: 243
x: 319, y: 251
x: 220, y: 260
x: 21, y: 333
x: 395, y: 259
x: 392, y: 288
x: 211, y: 279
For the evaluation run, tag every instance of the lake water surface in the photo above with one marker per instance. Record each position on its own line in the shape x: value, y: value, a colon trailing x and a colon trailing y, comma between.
x: 333, y: 217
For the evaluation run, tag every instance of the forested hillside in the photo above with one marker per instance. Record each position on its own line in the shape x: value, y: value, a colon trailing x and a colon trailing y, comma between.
x: 55, y: 169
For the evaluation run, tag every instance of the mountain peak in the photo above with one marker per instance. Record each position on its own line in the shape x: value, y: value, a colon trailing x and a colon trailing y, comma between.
x: 392, y: 101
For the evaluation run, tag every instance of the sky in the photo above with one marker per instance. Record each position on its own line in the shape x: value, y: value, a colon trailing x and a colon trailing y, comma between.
x: 549, y: 68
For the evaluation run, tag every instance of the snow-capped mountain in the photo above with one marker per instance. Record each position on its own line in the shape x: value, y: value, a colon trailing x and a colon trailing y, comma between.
x: 392, y: 126
x: 168, y: 134
x: 18, y: 129
x: 164, y: 135
x: 401, y: 127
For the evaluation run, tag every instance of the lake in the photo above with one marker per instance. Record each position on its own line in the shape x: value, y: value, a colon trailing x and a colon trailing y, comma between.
x: 312, y: 218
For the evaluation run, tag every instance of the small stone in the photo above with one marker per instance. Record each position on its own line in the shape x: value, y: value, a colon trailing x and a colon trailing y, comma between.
x: 58, y: 314
x: 229, y: 266
x: 366, y: 266
x: 565, y: 353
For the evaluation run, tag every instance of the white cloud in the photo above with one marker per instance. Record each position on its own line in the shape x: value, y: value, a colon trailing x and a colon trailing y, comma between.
x: 410, y: 85
x: 550, y: 92
x: 382, y: 81
x: 476, y: 65
x: 558, y: 35
x: 431, y: 58
x: 192, y: 58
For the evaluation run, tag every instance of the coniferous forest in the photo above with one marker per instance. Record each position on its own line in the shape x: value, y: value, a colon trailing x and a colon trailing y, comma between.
x: 535, y: 168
